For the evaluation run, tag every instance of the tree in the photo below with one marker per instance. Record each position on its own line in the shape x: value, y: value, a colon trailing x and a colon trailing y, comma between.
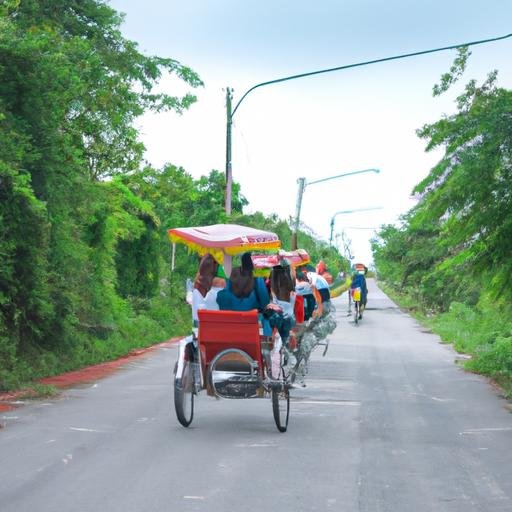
x: 459, y: 235
x: 70, y: 88
x: 469, y: 191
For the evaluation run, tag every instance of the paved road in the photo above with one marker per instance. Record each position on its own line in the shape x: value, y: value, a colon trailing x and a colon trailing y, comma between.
x: 387, y: 422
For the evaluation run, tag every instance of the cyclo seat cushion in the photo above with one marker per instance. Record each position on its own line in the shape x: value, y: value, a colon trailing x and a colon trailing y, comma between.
x: 220, y: 330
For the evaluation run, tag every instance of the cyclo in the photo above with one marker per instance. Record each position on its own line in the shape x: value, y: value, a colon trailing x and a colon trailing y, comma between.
x: 227, y: 354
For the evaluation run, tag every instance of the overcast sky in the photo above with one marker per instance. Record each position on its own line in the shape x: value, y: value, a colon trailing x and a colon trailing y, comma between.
x: 319, y: 126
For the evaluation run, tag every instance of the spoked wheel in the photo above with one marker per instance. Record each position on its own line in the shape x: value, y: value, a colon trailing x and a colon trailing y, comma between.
x: 184, y: 395
x: 281, y: 408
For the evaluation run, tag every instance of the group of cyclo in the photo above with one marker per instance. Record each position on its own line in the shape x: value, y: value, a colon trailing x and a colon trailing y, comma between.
x: 294, y: 303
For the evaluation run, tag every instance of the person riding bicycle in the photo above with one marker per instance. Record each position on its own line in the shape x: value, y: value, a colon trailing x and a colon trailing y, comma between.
x: 359, y: 281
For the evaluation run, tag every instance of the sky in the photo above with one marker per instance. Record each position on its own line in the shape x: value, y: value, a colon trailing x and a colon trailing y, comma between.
x: 321, y: 126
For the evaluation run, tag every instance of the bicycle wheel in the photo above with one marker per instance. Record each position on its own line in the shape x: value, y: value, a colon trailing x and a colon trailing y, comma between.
x: 184, y: 394
x: 356, y: 312
x: 281, y: 408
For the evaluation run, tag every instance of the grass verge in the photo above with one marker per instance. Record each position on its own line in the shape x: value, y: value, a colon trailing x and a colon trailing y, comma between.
x: 150, y: 323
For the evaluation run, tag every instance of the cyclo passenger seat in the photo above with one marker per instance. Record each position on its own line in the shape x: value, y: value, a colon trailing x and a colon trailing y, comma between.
x: 221, y: 330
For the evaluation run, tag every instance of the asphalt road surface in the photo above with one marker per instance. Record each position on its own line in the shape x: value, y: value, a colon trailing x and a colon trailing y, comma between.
x: 387, y: 422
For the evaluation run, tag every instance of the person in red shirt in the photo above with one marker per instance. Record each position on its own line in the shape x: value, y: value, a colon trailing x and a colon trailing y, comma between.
x: 322, y: 270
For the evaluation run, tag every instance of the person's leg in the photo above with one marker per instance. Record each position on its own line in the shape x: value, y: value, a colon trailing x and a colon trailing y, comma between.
x: 308, y: 307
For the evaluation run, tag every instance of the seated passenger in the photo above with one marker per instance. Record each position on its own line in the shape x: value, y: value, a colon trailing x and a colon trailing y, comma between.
x: 210, y: 299
x: 305, y: 290
x: 321, y: 292
x: 322, y: 270
x: 243, y: 291
x: 202, y: 284
x: 260, y: 287
x: 280, y: 313
x: 283, y: 289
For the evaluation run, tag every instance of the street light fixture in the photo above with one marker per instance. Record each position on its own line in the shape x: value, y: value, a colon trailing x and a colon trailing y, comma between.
x: 349, y: 211
x: 302, y: 186
x: 231, y: 112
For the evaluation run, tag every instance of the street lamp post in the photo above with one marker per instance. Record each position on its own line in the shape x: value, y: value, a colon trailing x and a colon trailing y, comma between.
x: 229, y: 95
x: 349, y: 211
x: 302, y: 186
x: 229, y: 177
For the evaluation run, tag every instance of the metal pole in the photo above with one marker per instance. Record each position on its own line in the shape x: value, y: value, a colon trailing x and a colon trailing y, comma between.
x: 332, y: 229
x: 350, y: 211
x: 321, y: 71
x: 302, y: 186
x: 376, y: 171
x: 229, y: 174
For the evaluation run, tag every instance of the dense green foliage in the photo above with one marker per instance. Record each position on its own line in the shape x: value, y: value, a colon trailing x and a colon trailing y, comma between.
x: 84, y: 254
x: 70, y: 88
x: 451, y: 253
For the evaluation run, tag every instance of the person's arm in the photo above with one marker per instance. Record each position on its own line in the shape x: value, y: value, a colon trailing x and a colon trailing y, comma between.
x: 320, y: 308
x: 261, y: 291
x: 197, y: 303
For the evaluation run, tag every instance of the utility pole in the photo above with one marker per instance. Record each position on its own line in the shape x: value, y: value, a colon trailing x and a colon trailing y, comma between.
x: 229, y: 177
x: 302, y: 186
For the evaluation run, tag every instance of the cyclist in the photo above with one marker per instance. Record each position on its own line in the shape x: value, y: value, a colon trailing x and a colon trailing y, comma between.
x: 359, y: 281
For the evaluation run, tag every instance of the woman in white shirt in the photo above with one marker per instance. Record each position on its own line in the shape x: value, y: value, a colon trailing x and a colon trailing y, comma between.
x: 283, y: 296
x: 203, y: 284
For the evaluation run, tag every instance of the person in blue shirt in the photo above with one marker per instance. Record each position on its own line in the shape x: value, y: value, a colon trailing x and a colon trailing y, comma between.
x: 243, y: 291
x: 359, y: 281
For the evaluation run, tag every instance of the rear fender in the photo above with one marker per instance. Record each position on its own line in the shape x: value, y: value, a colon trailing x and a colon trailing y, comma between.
x: 188, y: 351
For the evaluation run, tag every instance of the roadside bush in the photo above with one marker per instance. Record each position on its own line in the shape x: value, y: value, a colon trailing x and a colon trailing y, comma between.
x: 8, y: 376
x: 494, y: 360
x: 470, y: 327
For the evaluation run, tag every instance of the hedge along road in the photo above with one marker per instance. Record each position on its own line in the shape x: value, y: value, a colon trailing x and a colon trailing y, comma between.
x: 387, y: 421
